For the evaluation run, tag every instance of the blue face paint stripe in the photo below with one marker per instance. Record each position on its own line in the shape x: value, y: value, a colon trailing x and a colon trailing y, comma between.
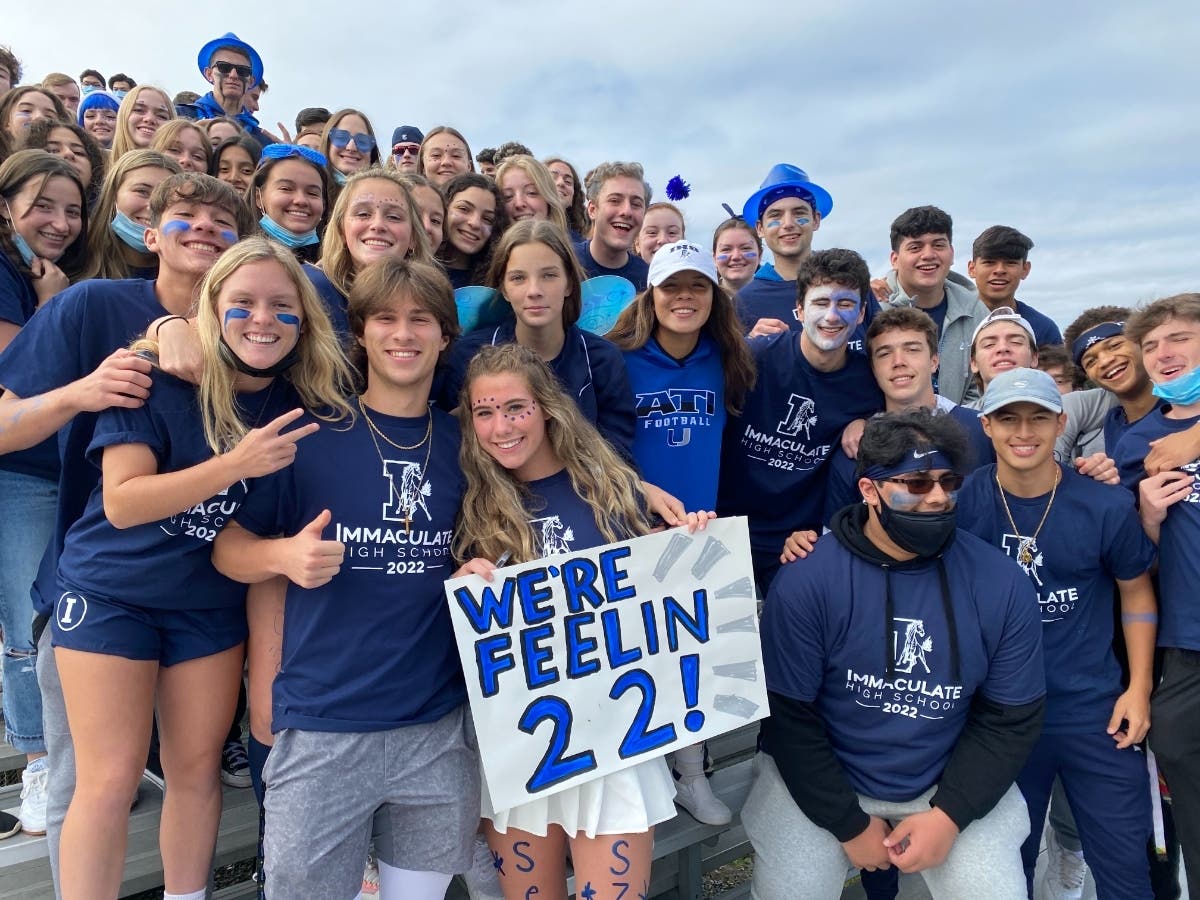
x: 284, y: 318
x: 230, y: 236
x: 236, y: 314
x: 174, y: 225
x: 288, y: 319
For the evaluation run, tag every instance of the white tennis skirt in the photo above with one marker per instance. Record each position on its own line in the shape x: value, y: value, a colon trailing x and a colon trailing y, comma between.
x: 626, y: 802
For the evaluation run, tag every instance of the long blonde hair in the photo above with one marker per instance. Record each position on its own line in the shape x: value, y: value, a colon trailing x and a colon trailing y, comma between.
x: 336, y: 261
x: 321, y: 376
x: 122, y: 141
x: 495, y: 512
x: 542, y: 180
x: 106, y: 258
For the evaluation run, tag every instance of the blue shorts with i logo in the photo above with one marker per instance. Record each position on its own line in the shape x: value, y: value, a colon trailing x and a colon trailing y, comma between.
x: 167, y: 636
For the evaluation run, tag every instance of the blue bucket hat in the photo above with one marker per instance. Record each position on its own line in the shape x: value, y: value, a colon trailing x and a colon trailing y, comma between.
x: 785, y: 180
x: 229, y: 39
x: 97, y: 100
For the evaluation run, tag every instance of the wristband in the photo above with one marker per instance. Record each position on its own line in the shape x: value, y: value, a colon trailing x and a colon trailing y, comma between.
x: 159, y: 326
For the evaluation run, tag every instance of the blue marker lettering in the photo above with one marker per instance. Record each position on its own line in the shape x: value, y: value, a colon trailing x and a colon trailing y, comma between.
x: 519, y: 851
x: 617, y: 655
x: 536, y: 656
x: 612, y: 575
x: 617, y: 847
x: 492, y: 657
x: 578, y: 645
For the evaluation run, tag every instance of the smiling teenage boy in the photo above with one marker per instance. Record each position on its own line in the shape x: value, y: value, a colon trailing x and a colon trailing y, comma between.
x: 922, y: 254
x: 1075, y: 540
x: 1168, y: 332
x: 999, y: 263
x: 369, y: 704
x: 809, y: 388
x: 617, y: 196
x: 785, y: 211
x: 233, y: 68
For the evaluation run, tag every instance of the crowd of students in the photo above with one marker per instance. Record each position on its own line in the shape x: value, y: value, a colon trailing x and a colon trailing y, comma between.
x: 226, y: 357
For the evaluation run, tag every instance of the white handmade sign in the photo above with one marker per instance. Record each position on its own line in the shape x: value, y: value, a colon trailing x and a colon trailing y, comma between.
x: 582, y: 664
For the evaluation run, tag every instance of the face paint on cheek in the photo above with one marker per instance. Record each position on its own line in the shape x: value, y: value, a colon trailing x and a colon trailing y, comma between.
x: 722, y: 257
x: 236, y: 314
x: 230, y: 236
x: 175, y: 226
x: 288, y: 319
x: 750, y: 254
x: 775, y: 224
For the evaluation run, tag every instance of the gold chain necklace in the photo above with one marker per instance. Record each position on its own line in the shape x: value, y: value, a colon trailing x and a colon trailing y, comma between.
x: 1024, y: 553
x: 373, y: 430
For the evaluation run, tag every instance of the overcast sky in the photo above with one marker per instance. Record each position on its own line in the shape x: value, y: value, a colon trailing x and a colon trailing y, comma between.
x: 1078, y: 123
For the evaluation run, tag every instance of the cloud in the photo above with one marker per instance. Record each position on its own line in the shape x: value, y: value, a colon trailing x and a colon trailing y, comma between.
x: 1074, y: 122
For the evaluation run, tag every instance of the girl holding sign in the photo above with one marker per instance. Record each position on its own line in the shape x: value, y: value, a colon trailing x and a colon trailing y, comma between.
x: 143, y: 621
x: 688, y: 365
x: 540, y: 480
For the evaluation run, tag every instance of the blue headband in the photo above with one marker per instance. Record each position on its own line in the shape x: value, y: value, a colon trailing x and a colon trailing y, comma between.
x: 1094, y: 336
x: 918, y: 459
x: 785, y: 190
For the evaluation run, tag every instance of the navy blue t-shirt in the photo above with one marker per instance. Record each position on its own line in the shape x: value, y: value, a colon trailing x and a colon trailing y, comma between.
x: 590, y: 369
x: 1179, y: 536
x: 1045, y: 329
x: 767, y: 296
x: 18, y: 303
x: 165, y: 564
x: 373, y: 649
x: 335, y: 300
x: 64, y: 342
x: 773, y: 456
x: 561, y: 521
x: 824, y: 630
x: 680, y: 406
x: 1116, y: 423
x: 1091, y: 537
x: 636, y: 269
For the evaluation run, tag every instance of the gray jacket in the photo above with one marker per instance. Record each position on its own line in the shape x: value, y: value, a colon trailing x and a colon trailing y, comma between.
x: 964, y: 312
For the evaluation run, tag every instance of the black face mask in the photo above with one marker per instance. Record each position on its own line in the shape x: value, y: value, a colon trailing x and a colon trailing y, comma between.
x: 925, y: 534
x: 232, y: 359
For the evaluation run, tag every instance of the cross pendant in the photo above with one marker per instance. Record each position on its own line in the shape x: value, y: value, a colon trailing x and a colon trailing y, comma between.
x: 407, y: 524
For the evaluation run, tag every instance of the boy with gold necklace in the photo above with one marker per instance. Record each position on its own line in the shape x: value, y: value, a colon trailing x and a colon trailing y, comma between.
x: 1074, y: 538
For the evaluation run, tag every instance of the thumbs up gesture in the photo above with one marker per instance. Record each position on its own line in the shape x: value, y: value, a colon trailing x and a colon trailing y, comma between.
x: 311, y: 560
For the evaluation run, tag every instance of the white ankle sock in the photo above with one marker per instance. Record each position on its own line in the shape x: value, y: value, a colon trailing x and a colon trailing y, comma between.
x: 194, y: 895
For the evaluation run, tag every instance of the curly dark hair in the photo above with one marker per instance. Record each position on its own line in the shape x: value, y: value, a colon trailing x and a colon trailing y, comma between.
x: 837, y: 266
x: 921, y: 220
x: 890, y: 436
x: 1092, y: 317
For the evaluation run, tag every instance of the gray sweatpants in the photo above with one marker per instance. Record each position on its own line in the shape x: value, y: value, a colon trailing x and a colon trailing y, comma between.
x: 417, y: 787
x: 796, y: 859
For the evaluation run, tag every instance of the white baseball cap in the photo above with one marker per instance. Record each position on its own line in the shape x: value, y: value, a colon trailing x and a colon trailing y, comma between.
x: 681, y: 256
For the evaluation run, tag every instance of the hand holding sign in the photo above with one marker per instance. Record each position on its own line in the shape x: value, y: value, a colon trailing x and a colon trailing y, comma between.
x: 583, y: 664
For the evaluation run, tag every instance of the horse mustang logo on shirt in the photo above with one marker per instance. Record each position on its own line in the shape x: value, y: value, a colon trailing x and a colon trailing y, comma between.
x: 404, y: 500
x: 802, y: 415
x: 1027, y: 555
x: 914, y: 644
x: 553, y: 537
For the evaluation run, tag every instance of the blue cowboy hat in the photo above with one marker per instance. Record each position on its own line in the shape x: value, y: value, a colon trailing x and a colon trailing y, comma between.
x: 786, y: 180
x: 229, y: 39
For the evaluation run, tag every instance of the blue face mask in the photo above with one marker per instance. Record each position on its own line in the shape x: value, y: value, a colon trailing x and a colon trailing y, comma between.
x: 1183, y: 391
x: 19, y: 242
x: 129, y: 231
x: 89, y: 88
x: 290, y: 239
x: 339, y: 177
x: 120, y: 95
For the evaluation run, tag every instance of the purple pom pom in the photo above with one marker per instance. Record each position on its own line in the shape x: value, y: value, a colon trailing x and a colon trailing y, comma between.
x: 678, y: 189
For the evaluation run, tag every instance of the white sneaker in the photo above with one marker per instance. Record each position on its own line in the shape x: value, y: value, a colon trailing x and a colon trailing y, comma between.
x: 33, y: 800
x: 694, y: 793
x: 1064, y: 873
x: 481, y: 880
x: 370, y: 882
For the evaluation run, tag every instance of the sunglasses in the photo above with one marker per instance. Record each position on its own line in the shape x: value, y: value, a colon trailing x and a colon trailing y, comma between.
x: 288, y: 151
x: 225, y: 68
x: 340, y: 137
x: 406, y: 150
x: 923, y: 484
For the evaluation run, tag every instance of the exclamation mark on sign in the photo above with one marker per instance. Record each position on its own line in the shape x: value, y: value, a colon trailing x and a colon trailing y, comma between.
x: 689, y: 668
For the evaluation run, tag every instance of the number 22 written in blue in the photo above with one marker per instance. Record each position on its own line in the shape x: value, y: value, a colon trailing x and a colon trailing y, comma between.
x: 555, y: 766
